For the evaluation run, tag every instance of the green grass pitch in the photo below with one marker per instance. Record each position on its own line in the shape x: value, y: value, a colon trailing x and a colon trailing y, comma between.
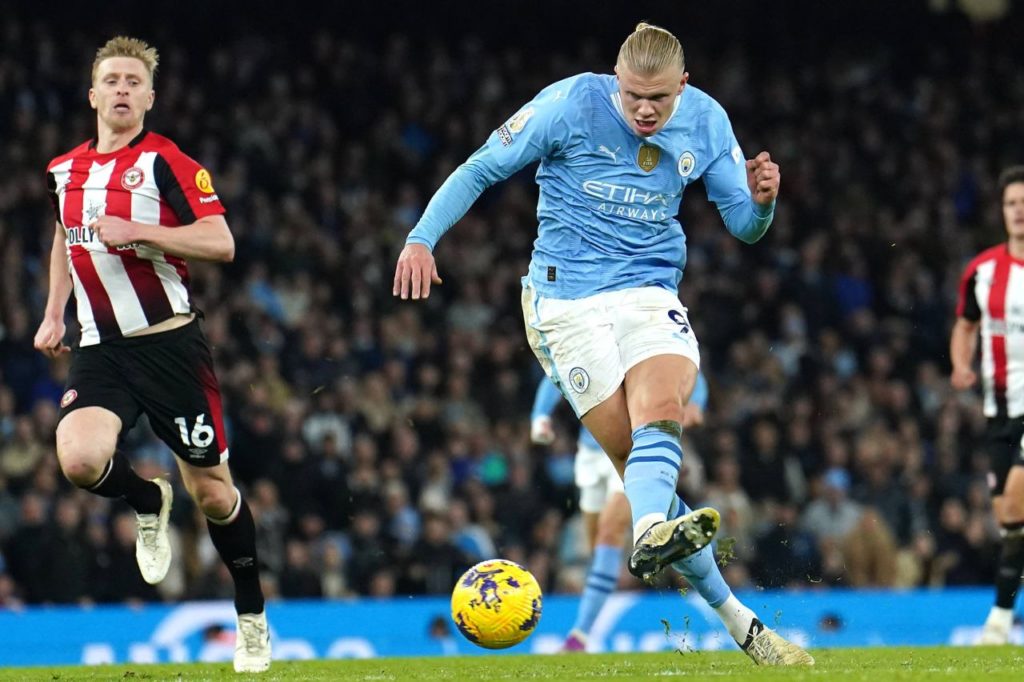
x: 870, y: 665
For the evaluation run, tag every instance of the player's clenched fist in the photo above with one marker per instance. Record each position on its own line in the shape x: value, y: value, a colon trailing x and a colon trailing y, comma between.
x: 763, y: 178
x: 113, y: 231
x: 415, y: 272
x: 49, y: 338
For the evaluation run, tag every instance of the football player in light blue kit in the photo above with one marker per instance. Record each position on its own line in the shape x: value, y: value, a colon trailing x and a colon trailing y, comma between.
x: 599, y: 301
x: 605, y: 512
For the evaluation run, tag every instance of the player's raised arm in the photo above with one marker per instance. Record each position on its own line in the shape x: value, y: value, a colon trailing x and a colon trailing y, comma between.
x: 536, y: 130
x: 743, y: 190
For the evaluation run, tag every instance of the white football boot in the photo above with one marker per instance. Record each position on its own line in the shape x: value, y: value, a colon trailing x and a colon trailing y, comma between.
x: 767, y: 647
x: 152, y: 545
x: 252, y: 643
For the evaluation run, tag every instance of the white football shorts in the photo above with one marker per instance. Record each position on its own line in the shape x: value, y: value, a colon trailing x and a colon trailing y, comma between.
x: 587, y: 345
x: 596, y: 478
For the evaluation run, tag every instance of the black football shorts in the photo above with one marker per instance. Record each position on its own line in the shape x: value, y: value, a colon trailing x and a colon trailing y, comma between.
x: 1004, y: 447
x: 168, y: 376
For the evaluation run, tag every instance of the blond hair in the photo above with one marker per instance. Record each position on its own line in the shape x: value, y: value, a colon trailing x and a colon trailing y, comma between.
x: 649, y: 50
x: 123, y: 46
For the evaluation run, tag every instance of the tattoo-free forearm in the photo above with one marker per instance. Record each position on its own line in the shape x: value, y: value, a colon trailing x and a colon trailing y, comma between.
x: 59, y: 277
x: 206, y: 239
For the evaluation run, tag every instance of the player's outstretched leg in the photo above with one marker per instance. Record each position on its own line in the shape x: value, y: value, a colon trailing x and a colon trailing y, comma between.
x: 762, y: 644
x: 651, y: 472
x: 669, y: 541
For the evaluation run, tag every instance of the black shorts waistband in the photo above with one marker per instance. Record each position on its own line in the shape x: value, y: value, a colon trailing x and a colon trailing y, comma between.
x: 158, y: 337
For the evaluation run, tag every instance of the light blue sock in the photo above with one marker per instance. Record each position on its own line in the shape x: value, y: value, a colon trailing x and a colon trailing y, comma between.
x: 653, y: 469
x: 701, y: 569
x: 601, y: 581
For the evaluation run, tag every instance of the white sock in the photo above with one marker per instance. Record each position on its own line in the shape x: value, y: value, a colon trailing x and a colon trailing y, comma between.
x: 645, y: 522
x: 1001, y: 618
x: 736, y: 617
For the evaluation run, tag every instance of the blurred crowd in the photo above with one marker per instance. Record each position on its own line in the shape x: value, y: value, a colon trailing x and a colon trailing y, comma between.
x: 384, y: 446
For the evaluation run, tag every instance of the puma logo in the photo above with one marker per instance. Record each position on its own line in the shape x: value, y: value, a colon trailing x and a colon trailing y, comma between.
x: 613, y: 154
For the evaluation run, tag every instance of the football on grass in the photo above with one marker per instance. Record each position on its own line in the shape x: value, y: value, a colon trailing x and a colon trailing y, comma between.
x: 496, y: 604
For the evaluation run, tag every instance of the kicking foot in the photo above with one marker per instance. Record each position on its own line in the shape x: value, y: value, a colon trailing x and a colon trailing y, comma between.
x: 252, y: 643
x: 152, y: 545
x: 767, y: 647
x: 670, y: 541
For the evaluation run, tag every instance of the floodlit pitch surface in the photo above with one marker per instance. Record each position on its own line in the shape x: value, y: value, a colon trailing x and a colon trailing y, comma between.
x: 870, y: 665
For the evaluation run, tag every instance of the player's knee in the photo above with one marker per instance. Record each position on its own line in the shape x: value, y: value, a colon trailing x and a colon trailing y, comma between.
x: 82, y: 462
x: 83, y: 472
x: 1011, y: 510
x: 215, y: 498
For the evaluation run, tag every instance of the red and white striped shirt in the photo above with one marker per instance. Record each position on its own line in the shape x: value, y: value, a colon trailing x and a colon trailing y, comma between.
x: 122, y: 290
x: 992, y: 293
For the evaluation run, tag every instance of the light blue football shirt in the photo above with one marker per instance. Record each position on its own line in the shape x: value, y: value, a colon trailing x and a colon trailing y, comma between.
x: 548, y: 396
x: 608, y: 197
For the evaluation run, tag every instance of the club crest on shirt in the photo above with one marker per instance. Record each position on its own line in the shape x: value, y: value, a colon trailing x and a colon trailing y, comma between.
x: 69, y: 397
x: 647, y: 157
x: 518, y: 122
x: 203, y: 181
x: 686, y: 164
x: 132, y: 178
x: 579, y: 379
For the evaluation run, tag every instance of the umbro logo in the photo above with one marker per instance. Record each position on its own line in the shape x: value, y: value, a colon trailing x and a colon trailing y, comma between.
x: 242, y: 562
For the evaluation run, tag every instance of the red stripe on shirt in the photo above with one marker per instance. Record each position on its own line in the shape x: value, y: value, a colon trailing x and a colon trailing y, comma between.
x: 81, y: 258
x: 99, y: 299
x: 997, y: 311
x: 152, y: 297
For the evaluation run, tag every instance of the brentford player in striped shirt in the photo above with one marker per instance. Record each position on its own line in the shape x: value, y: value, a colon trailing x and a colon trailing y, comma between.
x: 131, y: 208
x: 992, y: 303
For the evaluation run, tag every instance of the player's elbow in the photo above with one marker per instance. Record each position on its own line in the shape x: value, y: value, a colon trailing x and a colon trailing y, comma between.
x: 226, y: 250
x: 749, y: 236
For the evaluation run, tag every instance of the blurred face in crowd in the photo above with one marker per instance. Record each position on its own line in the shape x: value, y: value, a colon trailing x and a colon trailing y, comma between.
x: 1013, y: 209
x: 122, y: 93
x: 648, y: 100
